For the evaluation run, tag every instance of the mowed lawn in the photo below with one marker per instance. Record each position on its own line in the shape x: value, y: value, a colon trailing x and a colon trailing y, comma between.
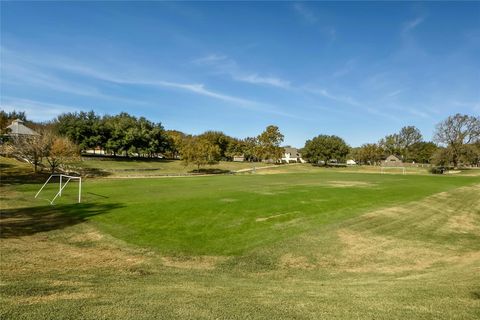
x: 128, y: 167
x: 305, y: 245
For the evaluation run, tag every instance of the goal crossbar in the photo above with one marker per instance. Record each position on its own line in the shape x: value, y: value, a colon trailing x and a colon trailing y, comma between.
x: 62, y: 186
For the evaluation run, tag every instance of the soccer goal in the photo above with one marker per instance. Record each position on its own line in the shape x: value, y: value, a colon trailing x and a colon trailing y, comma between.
x: 63, y: 181
x: 384, y: 170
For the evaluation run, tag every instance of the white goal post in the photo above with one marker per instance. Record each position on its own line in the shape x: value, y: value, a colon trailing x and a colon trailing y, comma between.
x: 382, y: 169
x: 62, y: 186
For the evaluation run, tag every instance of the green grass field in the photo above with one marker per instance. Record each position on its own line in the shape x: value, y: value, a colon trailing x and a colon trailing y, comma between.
x: 293, y: 242
x: 131, y: 167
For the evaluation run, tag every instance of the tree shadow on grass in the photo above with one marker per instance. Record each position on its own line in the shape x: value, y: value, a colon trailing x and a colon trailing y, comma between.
x: 12, y: 178
x: 93, y: 173
x: 26, y: 221
x: 23, y: 177
x: 210, y: 171
x: 5, y: 166
x: 125, y: 159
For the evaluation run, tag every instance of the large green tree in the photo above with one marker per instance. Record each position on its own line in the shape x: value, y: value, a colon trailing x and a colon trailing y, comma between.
x: 421, y: 152
x: 219, y: 139
x: 369, y: 153
x: 83, y: 128
x: 457, y: 131
x: 407, y: 137
x: 269, y: 144
x: 174, y: 143
x: 199, y: 151
x: 324, y: 148
x: 391, y: 144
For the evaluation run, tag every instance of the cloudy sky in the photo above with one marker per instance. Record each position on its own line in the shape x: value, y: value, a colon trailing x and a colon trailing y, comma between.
x: 357, y: 70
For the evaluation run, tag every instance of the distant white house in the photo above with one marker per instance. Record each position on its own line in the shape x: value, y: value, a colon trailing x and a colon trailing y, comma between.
x: 291, y: 155
x: 351, y: 162
x: 18, y: 129
x: 96, y: 150
x: 239, y: 158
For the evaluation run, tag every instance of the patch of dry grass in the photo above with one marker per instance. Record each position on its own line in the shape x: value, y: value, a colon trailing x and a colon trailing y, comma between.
x: 195, y: 262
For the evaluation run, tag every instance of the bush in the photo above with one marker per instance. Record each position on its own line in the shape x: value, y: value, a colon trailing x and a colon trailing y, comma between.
x: 439, y: 170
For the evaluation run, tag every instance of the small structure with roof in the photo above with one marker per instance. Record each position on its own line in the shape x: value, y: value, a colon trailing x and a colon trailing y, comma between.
x: 393, y: 161
x: 18, y: 129
x: 291, y: 155
x: 239, y: 158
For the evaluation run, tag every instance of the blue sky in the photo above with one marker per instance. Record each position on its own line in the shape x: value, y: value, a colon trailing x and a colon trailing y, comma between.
x: 359, y: 70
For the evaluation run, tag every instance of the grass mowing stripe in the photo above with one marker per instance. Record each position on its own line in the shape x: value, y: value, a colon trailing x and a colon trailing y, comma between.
x: 227, y: 215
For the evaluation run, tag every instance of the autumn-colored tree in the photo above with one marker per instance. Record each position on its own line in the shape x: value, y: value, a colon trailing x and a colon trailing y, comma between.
x: 175, y: 140
x: 61, y: 151
x: 32, y: 148
x: 369, y: 153
x: 199, y: 151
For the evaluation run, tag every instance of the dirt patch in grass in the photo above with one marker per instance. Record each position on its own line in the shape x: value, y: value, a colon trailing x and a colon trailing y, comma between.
x: 364, y: 252
x: 53, y: 297
x: 392, y: 212
x: 348, y: 184
x: 290, y: 261
x: 90, y: 236
x: 463, y: 223
x: 80, y: 249
x: 194, y: 262
x: 228, y: 200
x: 275, y: 216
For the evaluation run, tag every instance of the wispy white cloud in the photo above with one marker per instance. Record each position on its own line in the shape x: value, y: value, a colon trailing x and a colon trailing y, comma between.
x: 473, y: 105
x: 394, y: 93
x: 330, y: 32
x: 339, y: 98
x: 24, y: 73
x: 310, y: 17
x: 225, y: 65
x: 201, y: 90
x: 304, y: 12
x: 349, y: 101
x: 256, y: 79
x: 196, y: 88
x: 211, y: 58
x: 36, y: 110
x: 419, y: 113
x: 346, y: 69
x: 412, y: 24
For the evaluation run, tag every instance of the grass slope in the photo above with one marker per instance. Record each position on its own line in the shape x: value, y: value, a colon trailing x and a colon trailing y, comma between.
x: 227, y: 215
x: 322, y: 244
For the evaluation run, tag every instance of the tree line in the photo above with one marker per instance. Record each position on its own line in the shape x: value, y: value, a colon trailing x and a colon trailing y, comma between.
x: 129, y: 136
x: 456, y: 142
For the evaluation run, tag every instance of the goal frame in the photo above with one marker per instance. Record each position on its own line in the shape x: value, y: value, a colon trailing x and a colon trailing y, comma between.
x: 61, y: 187
x: 382, y: 169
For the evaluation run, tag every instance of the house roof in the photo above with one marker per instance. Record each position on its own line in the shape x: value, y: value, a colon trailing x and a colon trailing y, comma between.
x: 18, y: 128
x: 292, y: 151
x: 393, y: 158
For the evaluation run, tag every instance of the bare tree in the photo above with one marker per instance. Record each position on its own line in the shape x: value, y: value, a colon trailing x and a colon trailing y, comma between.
x: 457, y: 131
x: 32, y: 148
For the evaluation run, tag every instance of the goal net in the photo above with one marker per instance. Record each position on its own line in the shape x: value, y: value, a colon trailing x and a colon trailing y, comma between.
x: 384, y: 170
x: 62, y: 183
